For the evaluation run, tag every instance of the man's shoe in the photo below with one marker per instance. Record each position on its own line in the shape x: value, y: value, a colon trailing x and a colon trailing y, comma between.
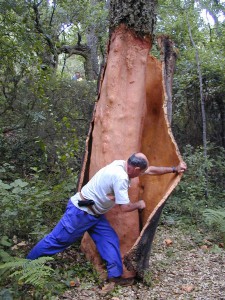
x: 121, y: 281
x: 107, y: 288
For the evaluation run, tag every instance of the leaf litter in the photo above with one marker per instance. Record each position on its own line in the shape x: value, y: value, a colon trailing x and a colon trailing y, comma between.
x: 180, y: 269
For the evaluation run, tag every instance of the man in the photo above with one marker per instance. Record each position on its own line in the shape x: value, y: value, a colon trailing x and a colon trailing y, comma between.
x: 77, y: 76
x: 108, y: 187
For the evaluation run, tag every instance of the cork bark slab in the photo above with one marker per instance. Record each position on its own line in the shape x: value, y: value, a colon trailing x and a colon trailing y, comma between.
x: 160, y: 147
x: 129, y: 117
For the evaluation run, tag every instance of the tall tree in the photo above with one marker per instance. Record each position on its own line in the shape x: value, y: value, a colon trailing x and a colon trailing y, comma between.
x: 59, y: 27
x: 202, y: 98
x: 130, y: 117
x: 187, y: 121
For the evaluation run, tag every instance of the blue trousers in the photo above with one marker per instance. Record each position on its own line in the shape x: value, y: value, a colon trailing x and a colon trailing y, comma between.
x: 71, y: 227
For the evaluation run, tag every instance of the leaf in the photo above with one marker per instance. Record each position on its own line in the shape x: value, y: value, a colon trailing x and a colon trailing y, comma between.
x: 168, y: 242
x: 4, y: 186
x: 5, y: 241
x: 21, y: 244
x: 75, y: 282
x: 188, y: 288
x: 5, y: 257
x: 5, y: 294
x: 16, y: 190
x: 204, y: 247
x: 19, y: 183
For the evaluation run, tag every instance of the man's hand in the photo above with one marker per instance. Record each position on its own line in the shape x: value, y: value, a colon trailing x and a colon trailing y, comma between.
x: 181, y: 167
x: 132, y: 206
x: 141, y: 204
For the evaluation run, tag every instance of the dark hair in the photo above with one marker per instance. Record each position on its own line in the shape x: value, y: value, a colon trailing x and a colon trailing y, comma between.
x: 136, y: 161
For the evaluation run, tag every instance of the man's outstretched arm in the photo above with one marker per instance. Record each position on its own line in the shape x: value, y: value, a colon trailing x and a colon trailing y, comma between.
x: 152, y: 170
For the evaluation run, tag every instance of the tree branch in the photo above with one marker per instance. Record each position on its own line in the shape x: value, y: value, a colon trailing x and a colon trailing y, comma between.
x: 53, y: 12
x: 77, y: 49
x: 41, y: 31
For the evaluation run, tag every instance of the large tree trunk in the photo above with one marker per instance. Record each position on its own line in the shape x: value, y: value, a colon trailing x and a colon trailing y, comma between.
x: 160, y: 147
x: 128, y: 119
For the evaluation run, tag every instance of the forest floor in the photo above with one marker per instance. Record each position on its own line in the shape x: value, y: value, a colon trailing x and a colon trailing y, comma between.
x: 183, y: 266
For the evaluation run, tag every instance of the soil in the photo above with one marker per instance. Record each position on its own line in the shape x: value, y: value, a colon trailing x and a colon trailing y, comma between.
x: 183, y: 266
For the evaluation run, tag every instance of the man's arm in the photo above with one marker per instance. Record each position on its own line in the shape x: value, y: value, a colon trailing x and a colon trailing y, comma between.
x: 132, y: 206
x: 152, y: 170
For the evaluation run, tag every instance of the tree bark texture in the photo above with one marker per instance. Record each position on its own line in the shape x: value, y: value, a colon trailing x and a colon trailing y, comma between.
x: 137, y: 15
x: 131, y: 116
x: 168, y: 58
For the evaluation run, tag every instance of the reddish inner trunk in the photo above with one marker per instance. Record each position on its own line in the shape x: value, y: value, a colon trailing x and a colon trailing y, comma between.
x: 129, y: 118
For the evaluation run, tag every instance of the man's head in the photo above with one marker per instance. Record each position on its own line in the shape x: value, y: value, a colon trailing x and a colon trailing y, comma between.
x: 77, y: 74
x: 137, y: 163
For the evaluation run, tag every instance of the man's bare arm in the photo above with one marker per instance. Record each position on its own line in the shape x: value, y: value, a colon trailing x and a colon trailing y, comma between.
x: 152, y: 170
x: 132, y: 206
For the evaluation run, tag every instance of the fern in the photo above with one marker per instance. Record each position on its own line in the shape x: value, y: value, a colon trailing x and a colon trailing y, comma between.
x: 216, y: 218
x: 33, y: 272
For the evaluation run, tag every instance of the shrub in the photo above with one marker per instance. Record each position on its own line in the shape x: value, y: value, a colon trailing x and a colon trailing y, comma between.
x: 198, y: 188
x: 29, y: 208
x: 215, y: 219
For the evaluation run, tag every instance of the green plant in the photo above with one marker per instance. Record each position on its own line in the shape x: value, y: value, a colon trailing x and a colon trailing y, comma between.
x: 29, y: 279
x: 147, y: 278
x: 189, y: 199
x: 33, y: 272
x: 29, y: 207
x: 215, y: 219
x: 44, y: 278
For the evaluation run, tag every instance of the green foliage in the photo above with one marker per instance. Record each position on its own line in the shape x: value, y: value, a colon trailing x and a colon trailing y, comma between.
x: 25, y: 271
x: 52, y: 134
x: 44, y: 277
x: 82, y: 270
x: 23, y: 278
x: 148, y: 278
x: 29, y: 208
x: 33, y: 34
x: 173, y: 17
x: 189, y: 199
x: 215, y: 219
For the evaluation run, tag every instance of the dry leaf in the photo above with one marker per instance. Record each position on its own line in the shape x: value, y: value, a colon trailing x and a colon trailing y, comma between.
x: 207, y: 242
x: 168, y: 242
x: 21, y: 244
x: 75, y: 282
x: 14, y: 247
x: 204, y: 247
x: 188, y: 288
x: 15, y: 239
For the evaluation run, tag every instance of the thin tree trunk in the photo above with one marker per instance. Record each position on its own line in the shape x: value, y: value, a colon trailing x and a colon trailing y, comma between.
x: 204, y: 137
x: 168, y: 58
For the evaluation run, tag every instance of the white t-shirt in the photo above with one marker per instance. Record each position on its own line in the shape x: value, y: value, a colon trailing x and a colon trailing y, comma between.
x: 109, y: 186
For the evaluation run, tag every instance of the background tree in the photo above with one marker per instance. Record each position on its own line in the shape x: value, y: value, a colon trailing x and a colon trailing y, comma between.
x: 171, y: 20
x: 30, y: 75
